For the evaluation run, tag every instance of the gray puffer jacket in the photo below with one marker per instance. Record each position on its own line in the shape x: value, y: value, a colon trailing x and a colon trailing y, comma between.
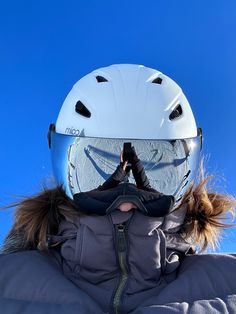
x: 121, y: 263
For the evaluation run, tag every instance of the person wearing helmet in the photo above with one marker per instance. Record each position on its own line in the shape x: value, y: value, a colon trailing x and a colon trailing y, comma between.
x: 72, y: 249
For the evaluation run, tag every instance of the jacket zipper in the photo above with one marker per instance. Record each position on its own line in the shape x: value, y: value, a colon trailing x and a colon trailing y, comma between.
x: 121, y: 246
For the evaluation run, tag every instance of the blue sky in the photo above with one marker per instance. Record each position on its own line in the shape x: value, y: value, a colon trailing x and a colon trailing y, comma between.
x: 47, y: 46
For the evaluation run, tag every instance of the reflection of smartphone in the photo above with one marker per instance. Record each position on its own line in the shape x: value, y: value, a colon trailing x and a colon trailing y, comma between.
x: 127, y: 152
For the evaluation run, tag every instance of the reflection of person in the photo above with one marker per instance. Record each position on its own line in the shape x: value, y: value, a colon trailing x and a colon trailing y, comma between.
x: 59, y: 260
x: 112, y: 195
x: 139, y: 174
x: 120, y: 173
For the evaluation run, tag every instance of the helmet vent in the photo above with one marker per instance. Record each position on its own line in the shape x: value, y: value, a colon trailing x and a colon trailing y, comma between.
x: 157, y: 80
x: 101, y: 79
x: 82, y: 110
x: 176, y: 113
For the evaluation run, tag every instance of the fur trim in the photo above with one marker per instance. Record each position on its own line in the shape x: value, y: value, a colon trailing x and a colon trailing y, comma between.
x: 14, y: 242
x: 37, y: 217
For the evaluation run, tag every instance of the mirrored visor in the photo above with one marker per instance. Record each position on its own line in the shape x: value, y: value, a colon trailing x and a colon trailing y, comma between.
x: 83, y: 163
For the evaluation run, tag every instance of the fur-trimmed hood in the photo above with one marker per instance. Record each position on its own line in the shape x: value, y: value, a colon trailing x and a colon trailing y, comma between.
x: 36, y: 218
x: 201, y: 220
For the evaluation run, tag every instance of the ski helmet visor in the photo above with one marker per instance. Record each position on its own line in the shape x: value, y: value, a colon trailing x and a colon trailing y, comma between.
x: 81, y: 164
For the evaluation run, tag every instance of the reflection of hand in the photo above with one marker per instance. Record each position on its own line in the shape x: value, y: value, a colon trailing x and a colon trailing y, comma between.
x: 123, y: 164
x: 131, y: 155
x: 134, y: 156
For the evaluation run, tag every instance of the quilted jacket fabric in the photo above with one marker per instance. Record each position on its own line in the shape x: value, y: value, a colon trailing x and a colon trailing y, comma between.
x: 84, y: 272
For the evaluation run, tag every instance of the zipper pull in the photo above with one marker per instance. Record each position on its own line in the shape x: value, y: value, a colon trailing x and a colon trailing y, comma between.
x: 120, y: 234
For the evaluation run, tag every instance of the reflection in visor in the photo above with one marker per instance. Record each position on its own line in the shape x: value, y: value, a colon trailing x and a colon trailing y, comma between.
x: 83, y: 163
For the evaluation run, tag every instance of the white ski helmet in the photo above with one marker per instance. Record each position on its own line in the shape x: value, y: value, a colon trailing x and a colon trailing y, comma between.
x: 125, y: 103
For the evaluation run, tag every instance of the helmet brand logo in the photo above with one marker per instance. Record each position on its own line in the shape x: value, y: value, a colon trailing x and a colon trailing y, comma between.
x: 72, y: 131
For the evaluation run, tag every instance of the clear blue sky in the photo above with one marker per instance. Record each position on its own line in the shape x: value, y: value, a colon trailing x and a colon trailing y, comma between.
x: 46, y: 46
